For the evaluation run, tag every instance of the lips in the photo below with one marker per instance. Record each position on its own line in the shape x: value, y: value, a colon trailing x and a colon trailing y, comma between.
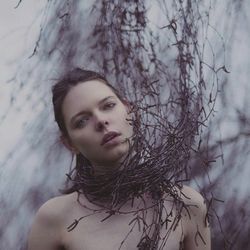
x: 109, y: 136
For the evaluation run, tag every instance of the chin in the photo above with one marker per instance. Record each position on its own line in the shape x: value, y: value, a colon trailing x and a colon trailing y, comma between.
x: 117, y: 155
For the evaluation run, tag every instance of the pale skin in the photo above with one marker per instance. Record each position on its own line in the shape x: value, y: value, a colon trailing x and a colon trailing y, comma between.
x: 86, y: 122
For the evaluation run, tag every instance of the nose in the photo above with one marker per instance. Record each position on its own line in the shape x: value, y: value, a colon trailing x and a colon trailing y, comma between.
x: 101, y: 122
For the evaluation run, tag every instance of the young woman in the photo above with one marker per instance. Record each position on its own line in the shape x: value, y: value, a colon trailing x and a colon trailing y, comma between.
x: 98, y: 126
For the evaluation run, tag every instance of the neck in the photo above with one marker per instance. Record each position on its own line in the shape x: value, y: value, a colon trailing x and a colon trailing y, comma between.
x: 105, y: 169
x: 110, y: 167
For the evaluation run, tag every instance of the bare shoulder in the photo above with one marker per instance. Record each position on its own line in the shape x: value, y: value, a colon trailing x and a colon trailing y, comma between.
x: 53, y: 210
x: 192, y: 198
x: 195, y: 208
x: 57, y: 205
x: 195, y: 220
x: 46, y: 227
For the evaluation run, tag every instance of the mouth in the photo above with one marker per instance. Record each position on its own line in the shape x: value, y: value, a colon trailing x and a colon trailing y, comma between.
x: 109, y: 136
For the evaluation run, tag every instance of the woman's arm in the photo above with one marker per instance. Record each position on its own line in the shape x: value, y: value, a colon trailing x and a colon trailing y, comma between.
x: 196, y: 226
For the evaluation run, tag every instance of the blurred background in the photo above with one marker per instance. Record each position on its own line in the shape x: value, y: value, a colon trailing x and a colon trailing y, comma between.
x: 40, y: 39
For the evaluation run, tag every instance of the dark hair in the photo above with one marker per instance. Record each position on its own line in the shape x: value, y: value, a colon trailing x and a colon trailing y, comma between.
x: 59, y: 92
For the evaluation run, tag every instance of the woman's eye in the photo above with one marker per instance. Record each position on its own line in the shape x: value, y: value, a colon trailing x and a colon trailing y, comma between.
x: 109, y: 105
x: 81, y: 122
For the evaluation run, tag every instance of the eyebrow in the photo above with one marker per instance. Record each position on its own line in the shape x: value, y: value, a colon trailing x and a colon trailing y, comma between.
x: 85, y: 112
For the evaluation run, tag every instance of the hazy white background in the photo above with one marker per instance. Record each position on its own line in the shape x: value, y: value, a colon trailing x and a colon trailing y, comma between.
x: 19, y: 29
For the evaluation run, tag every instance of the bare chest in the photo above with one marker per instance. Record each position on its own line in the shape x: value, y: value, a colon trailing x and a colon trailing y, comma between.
x: 121, y: 231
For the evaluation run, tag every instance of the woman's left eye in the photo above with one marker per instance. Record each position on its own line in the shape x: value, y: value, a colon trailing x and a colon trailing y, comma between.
x: 109, y: 105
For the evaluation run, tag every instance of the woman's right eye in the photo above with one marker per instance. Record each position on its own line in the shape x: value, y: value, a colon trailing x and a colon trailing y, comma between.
x: 81, y: 122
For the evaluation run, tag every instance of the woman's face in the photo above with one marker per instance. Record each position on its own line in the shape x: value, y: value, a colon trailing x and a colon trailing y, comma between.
x: 93, y: 115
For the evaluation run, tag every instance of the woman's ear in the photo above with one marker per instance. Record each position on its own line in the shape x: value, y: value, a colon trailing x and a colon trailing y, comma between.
x: 67, y: 143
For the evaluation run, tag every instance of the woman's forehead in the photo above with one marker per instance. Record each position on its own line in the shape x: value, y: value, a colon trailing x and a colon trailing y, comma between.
x: 86, y: 94
x: 90, y: 90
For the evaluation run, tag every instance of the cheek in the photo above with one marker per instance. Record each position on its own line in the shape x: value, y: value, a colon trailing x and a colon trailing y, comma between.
x: 82, y: 140
x: 86, y: 145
